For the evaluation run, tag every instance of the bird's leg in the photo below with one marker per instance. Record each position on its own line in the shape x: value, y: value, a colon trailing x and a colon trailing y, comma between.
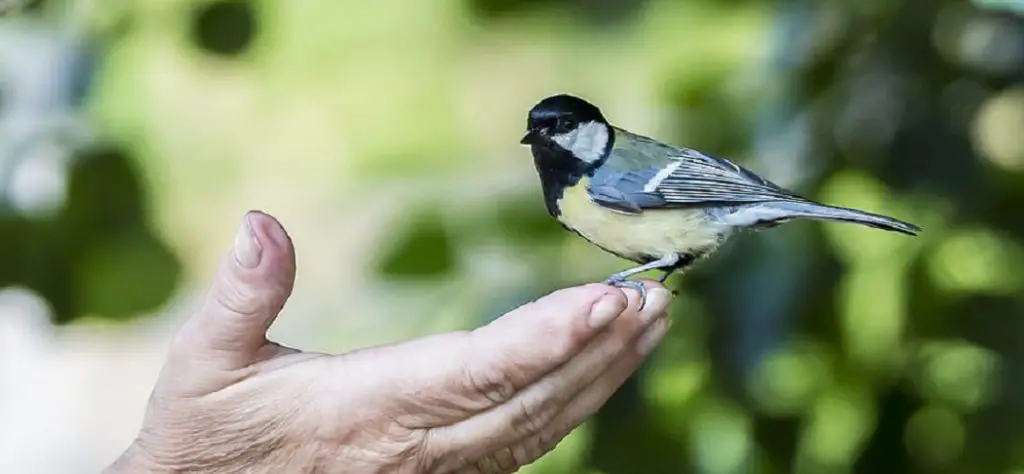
x: 668, y: 273
x: 668, y: 261
x: 685, y: 260
x: 621, y: 279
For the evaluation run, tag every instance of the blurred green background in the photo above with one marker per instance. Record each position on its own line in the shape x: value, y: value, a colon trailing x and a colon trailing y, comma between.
x: 383, y: 134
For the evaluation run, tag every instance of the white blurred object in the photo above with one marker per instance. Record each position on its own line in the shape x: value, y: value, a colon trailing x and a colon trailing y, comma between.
x: 72, y: 398
x: 22, y: 313
x: 38, y: 186
x: 25, y: 344
x: 41, y: 78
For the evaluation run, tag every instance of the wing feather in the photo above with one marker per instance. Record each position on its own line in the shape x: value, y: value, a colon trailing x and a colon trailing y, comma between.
x: 703, y: 179
x: 629, y: 181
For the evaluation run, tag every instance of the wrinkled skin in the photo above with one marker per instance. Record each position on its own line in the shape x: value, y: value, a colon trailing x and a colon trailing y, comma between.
x: 484, y: 401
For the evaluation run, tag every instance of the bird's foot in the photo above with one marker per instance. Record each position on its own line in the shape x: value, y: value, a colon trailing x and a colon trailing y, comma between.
x: 622, y: 282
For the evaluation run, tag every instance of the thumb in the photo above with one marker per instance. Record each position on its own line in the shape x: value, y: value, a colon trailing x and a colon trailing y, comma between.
x: 252, y: 284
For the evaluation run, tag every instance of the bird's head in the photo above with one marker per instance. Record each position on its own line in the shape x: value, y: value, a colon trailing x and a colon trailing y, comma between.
x: 569, y: 124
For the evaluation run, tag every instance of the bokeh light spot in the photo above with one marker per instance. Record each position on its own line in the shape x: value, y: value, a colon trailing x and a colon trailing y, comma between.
x: 39, y: 182
x: 997, y: 129
x: 840, y: 423
x: 873, y: 315
x: 977, y: 261
x: 958, y: 373
x: 787, y: 381
x: 722, y: 435
x: 672, y: 387
x: 934, y: 436
x: 990, y: 44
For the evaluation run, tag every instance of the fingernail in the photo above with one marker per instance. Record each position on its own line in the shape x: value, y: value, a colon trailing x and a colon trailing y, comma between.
x: 650, y: 339
x: 657, y: 302
x: 604, y: 311
x: 247, y: 249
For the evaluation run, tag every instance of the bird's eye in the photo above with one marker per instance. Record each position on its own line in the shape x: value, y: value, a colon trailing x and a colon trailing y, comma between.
x: 564, y: 124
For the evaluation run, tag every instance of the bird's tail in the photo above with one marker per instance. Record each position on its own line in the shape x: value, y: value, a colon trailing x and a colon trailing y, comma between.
x: 810, y: 210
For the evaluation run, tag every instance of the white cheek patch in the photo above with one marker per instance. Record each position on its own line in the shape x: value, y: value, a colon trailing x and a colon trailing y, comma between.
x: 587, y: 142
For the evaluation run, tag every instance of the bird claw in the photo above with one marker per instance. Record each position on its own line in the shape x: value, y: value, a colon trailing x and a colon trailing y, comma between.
x: 623, y: 283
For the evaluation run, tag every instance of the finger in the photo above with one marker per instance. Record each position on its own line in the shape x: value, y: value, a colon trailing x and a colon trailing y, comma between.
x: 471, y: 372
x: 525, y: 345
x: 591, y: 399
x: 529, y: 342
x: 585, y: 403
x: 529, y: 411
x: 251, y: 286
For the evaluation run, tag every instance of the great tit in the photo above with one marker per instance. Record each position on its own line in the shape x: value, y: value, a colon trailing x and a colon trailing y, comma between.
x: 660, y: 206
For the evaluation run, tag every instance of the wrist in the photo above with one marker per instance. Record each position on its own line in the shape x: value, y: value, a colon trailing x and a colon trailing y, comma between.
x: 134, y: 460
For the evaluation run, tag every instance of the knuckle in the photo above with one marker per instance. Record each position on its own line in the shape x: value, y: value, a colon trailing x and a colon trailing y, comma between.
x: 241, y: 295
x: 492, y: 383
x: 529, y: 451
x: 495, y: 376
x: 527, y: 420
x: 506, y: 460
x: 543, y: 443
x: 487, y: 465
x: 547, y: 441
x: 521, y: 454
x: 238, y: 298
x: 432, y: 456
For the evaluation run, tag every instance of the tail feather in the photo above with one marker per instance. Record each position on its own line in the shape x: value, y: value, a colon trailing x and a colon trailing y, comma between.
x: 776, y: 212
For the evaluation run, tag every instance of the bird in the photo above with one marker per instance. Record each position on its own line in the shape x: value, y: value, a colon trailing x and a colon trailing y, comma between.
x: 660, y: 206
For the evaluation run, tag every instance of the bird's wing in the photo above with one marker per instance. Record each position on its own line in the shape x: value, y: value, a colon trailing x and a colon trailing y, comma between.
x: 649, y: 174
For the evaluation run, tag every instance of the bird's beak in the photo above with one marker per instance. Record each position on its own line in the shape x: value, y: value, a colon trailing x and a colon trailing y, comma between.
x: 528, y: 138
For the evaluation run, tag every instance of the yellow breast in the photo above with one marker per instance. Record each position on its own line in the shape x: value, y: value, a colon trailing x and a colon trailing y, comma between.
x: 653, y: 233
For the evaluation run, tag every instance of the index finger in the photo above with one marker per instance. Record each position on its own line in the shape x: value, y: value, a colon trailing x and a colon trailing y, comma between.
x: 450, y: 377
x: 535, y: 339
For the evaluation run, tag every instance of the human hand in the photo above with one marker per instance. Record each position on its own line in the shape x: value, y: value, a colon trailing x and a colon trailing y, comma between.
x: 484, y: 401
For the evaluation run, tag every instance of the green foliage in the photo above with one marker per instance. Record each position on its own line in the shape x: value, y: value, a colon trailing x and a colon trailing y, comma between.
x: 224, y: 28
x: 98, y: 256
x: 523, y: 221
x: 423, y: 250
x: 120, y: 276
